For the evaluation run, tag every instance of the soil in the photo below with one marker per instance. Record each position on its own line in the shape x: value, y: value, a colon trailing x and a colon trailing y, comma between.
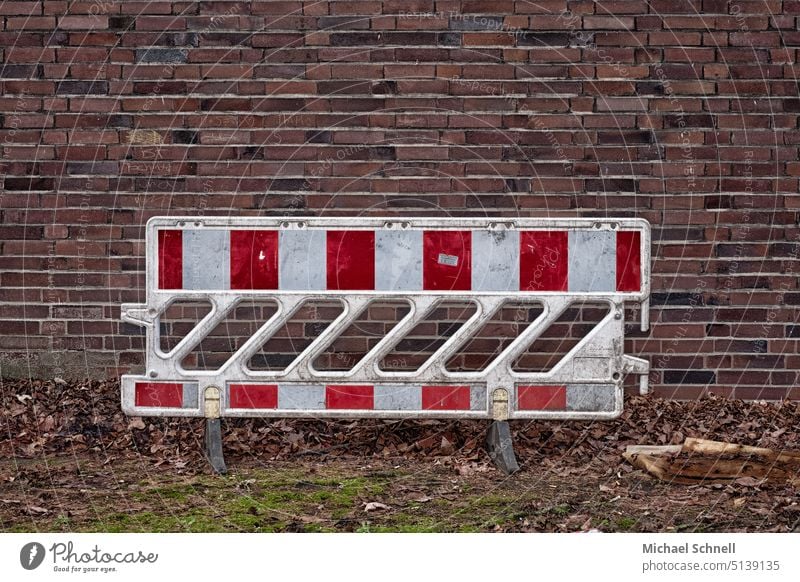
x: 71, y: 461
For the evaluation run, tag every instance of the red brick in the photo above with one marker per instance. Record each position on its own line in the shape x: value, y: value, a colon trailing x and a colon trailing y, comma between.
x: 83, y: 22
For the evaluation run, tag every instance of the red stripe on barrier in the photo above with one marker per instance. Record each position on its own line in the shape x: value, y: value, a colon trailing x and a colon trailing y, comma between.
x: 349, y: 397
x: 351, y: 259
x: 159, y: 394
x: 629, y: 260
x: 543, y: 258
x: 254, y: 259
x: 170, y: 259
x: 445, y: 398
x: 447, y: 260
x: 253, y: 396
x: 541, y: 397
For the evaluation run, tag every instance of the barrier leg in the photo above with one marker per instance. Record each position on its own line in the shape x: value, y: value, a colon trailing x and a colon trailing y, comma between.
x: 213, y: 436
x: 213, y: 445
x: 498, y: 440
x: 501, y: 447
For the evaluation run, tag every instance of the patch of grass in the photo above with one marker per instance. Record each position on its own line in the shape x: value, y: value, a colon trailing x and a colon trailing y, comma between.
x: 561, y: 509
x: 259, y: 500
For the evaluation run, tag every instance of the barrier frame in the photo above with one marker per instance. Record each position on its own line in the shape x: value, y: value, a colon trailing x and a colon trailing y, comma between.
x: 598, y: 359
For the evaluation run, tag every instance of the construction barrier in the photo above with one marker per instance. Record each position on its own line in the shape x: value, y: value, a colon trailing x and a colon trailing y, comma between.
x: 359, y: 261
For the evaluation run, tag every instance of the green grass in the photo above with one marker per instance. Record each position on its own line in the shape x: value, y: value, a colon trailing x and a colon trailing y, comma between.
x: 302, y: 500
x: 259, y: 501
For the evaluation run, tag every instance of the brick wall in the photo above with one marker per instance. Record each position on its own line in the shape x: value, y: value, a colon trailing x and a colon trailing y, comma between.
x: 684, y: 112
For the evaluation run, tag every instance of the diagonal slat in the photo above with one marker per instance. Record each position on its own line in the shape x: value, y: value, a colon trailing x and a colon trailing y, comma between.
x: 419, y: 310
x: 220, y: 308
x: 287, y: 307
x: 301, y: 366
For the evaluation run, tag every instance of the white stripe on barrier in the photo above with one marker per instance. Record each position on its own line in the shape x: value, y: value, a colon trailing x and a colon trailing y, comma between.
x: 398, y: 260
x: 302, y: 260
x: 206, y: 259
x: 495, y: 260
x: 592, y: 261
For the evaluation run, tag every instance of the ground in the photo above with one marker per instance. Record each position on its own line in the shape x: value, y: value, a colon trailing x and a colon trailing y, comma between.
x: 72, y: 462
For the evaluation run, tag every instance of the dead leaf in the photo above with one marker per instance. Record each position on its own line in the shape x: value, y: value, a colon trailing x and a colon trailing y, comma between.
x: 136, y: 424
x: 375, y: 506
x: 446, y: 447
x: 748, y: 481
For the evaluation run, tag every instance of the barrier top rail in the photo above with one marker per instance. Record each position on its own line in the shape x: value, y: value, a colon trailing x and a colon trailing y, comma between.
x: 332, y: 256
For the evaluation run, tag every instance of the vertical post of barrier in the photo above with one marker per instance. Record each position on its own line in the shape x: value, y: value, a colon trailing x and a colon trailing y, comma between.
x: 499, y: 444
x: 213, y: 436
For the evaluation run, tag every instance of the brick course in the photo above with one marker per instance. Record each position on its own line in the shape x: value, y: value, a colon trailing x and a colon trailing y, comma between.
x: 683, y: 112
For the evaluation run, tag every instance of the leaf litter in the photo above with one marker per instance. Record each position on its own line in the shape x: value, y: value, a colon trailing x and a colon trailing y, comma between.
x: 64, y: 443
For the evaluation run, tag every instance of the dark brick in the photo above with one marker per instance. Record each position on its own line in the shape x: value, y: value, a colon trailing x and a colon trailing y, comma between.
x: 649, y: 88
x: 291, y: 184
x: 536, y: 38
x: 26, y: 184
x: 251, y: 153
x: 611, y: 185
x: 792, y: 299
x: 120, y: 121
x: 82, y: 88
x: 717, y: 202
x: 448, y: 39
x: 624, y: 137
x: 384, y: 87
x: 354, y: 38
x: 92, y: 167
x: 318, y: 136
x: 121, y: 22
x: 342, y: 22
x: 676, y: 298
x: 184, y: 136
x: 382, y: 153
x: 161, y: 55
x: 517, y: 185
x: 179, y: 39
x: 689, y: 121
x: 226, y: 38
x: 131, y: 329
x: 20, y: 71
x: 689, y: 377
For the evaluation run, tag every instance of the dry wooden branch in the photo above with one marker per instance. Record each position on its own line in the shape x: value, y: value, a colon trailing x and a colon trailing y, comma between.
x: 704, y: 461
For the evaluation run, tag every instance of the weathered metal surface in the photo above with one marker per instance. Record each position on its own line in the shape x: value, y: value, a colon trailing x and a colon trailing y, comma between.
x: 551, y: 263
x: 500, y: 446
x: 213, y: 445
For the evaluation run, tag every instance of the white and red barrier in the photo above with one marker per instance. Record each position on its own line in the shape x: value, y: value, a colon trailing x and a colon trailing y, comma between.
x: 550, y: 263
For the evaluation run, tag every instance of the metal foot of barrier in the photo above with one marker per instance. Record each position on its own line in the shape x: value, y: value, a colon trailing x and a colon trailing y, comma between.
x: 213, y: 445
x: 501, y: 447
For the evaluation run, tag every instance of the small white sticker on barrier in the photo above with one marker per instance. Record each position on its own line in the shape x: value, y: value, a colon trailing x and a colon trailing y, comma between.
x: 449, y: 260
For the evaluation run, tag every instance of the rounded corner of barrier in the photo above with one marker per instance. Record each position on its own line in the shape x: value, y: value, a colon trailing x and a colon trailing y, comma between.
x: 155, y: 222
x: 127, y: 390
x: 645, y: 226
